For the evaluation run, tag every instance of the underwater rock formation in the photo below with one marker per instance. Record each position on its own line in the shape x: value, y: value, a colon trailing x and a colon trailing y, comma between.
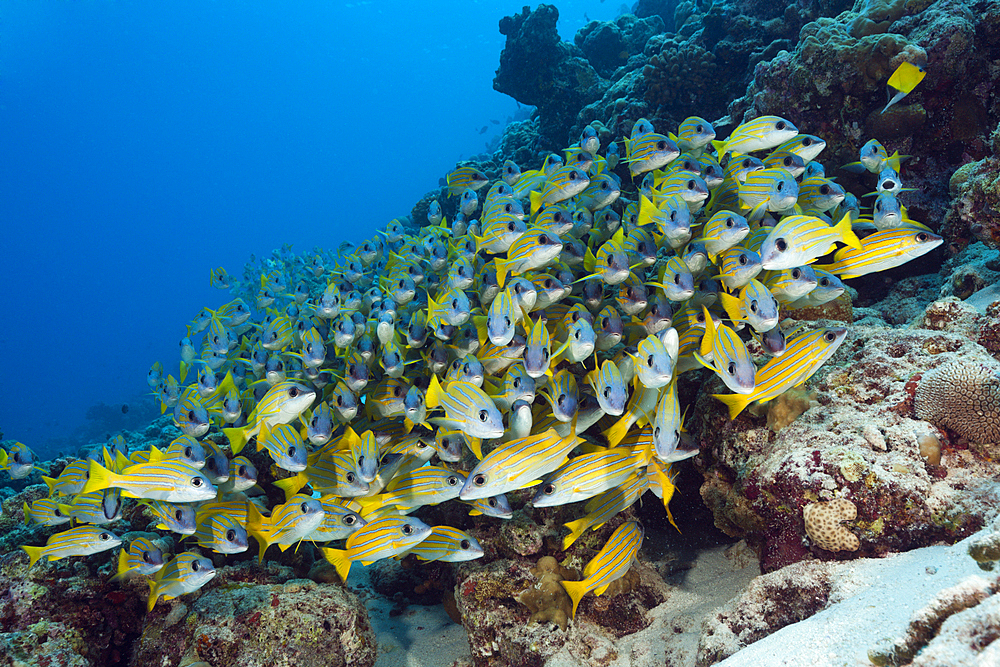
x: 859, y: 443
x: 539, y: 69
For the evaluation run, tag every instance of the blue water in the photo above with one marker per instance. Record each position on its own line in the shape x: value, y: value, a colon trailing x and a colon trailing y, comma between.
x: 142, y: 144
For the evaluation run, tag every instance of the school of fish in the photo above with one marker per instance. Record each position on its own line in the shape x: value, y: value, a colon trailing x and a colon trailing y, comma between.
x: 534, y: 340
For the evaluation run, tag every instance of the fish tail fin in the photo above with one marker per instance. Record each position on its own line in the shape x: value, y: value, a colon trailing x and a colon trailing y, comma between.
x: 618, y: 430
x: 432, y: 398
x: 153, y: 594
x: 481, y: 321
x: 255, y: 527
x: 846, y: 234
x: 709, y: 337
x: 576, y: 590
x: 27, y: 514
x: 184, y: 370
x: 291, y: 485
x: 536, y: 201
x: 589, y: 261
x: 503, y: 267
x: 735, y: 402
x: 34, y: 553
x: 646, y: 210
x: 122, y: 566
x: 732, y: 306
x: 51, y: 483
x: 576, y: 529
x: 433, y: 311
x: 100, y: 478
x: 237, y: 438
x: 338, y: 558
x: 476, y: 446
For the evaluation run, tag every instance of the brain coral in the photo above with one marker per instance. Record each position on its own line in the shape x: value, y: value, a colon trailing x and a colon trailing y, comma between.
x: 824, y: 528
x: 964, y: 397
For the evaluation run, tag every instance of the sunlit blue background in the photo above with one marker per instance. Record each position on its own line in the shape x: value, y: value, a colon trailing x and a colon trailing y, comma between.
x: 143, y: 143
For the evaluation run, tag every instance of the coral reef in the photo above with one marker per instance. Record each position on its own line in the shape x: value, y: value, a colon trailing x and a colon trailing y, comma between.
x: 859, y: 443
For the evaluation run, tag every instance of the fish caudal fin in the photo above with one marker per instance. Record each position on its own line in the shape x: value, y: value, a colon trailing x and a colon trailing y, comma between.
x: 735, y: 402
x: 502, y: 266
x: 339, y: 559
x: 847, y: 235
x: 153, y: 594
x: 432, y: 398
x: 123, y: 567
x: 237, y: 438
x: 576, y: 590
x: 100, y: 478
x: 619, y: 430
x: 34, y: 553
x: 576, y: 529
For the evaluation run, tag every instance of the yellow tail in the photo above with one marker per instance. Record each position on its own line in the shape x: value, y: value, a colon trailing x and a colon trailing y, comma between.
x: 432, y: 398
x: 51, y: 484
x: 27, y: 514
x: 536, y: 201
x: 237, y: 438
x: 339, y: 559
x: 576, y: 590
x: 255, y: 527
x: 153, y: 594
x: 100, y: 478
x: 123, y: 567
x: 34, y: 553
x: 292, y: 485
x: 736, y: 403
x: 619, y: 430
x: 184, y: 370
x: 843, y: 228
x: 502, y: 266
x: 576, y: 529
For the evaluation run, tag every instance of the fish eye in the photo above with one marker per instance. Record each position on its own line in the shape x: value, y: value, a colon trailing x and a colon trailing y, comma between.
x: 350, y: 519
x: 787, y: 161
x: 231, y: 535
x: 611, y: 260
x: 479, y: 480
x: 187, y: 452
x: 781, y: 245
x: 195, y: 566
x: 677, y: 279
x: 673, y: 216
x: 407, y: 529
x: 605, y: 322
x: 293, y: 392
x: 807, y: 141
x: 743, y: 262
x: 577, y: 334
x: 340, y: 401
x: 796, y: 274
x: 781, y: 185
x: 454, y: 304
x: 699, y: 129
x: 506, y: 321
x: 483, y: 415
x: 178, y: 515
x: 291, y: 450
x: 746, y: 164
x: 829, y: 336
x: 921, y: 237
x: 878, y: 206
x: 105, y: 537
x: 191, y: 415
x: 57, y: 512
x: 824, y: 190
x: 543, y: 239
x: 562, y: 400
x: 242, y: 471
x: 731, y: 368
x: 690, y: 185
x: 656, y: 432
x: 452, y: 480
x: 396, y: 391
x: 753, y: 306
x: 304, y: 507
x: 350, y: 477
x: 145, y: 556
x: 730, y: 222
x: 780, y: 125
x: 661, y: 145
x: 196, y: 482
x: 607, y: 392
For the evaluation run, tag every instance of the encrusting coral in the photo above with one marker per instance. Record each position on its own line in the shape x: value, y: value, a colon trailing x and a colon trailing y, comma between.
x: 824, y: 527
